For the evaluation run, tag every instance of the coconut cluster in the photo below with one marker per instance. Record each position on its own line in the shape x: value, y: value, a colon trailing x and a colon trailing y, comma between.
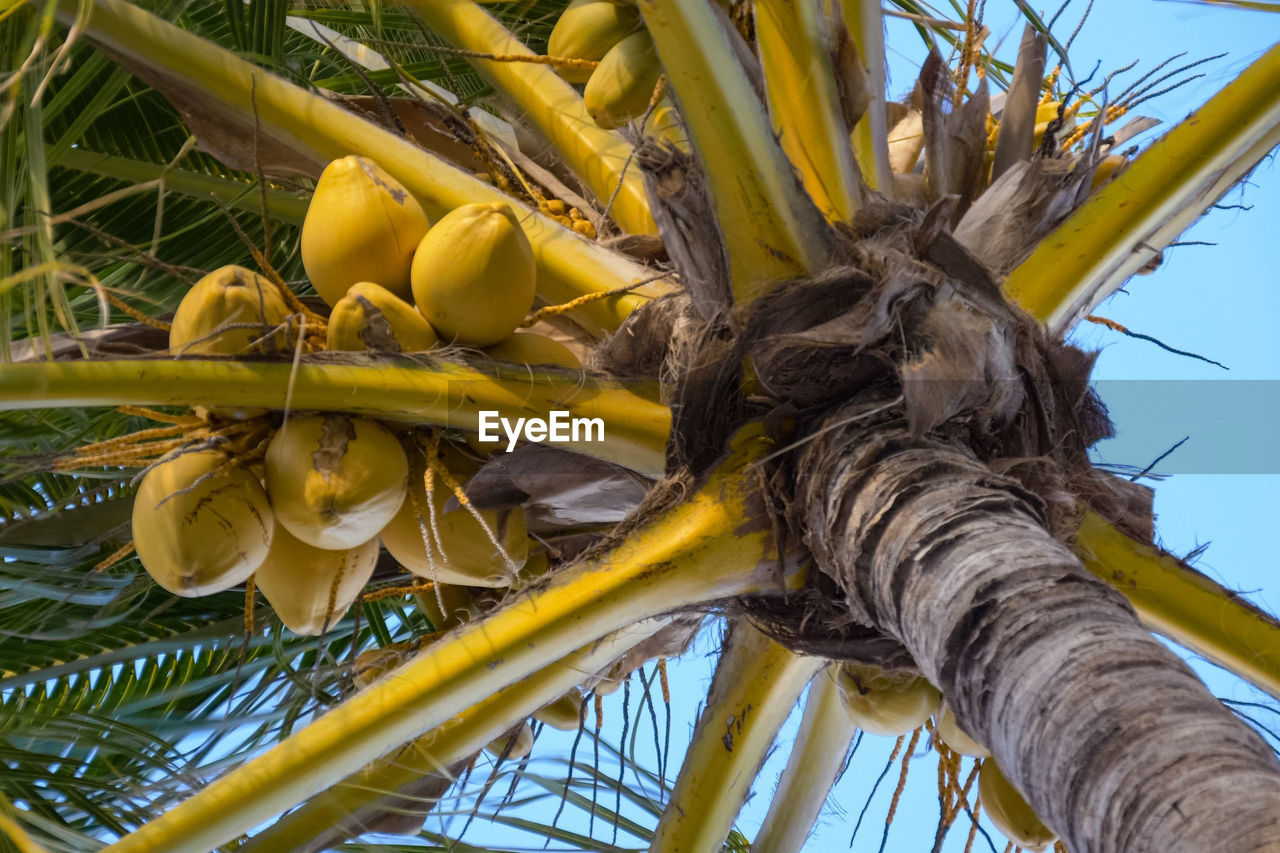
x: 619, y: 88
x: 309, y: 522
x: 397, y: 283
x: 897, y: 702
x: 308, y: 518
x: 394, y: 282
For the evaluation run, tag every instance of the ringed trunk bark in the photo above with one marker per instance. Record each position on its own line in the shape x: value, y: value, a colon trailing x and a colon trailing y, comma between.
x: 1112, y: 739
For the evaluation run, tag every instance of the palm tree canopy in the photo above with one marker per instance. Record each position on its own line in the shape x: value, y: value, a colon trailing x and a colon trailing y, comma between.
x: 824, y: 333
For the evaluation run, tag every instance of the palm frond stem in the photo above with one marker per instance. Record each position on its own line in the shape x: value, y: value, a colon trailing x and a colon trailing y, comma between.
x: 438, y: 393
x: 770, y: 227
x: 598, y: 156
x: 1184, y: 605
x: 1126, y: 223
x: 805, y: 103
x: 757, y: 683
x: 816, y: 761
x: 358, y: 796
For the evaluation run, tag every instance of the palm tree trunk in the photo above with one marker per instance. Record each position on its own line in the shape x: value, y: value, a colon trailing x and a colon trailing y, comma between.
x: 1112, y: 739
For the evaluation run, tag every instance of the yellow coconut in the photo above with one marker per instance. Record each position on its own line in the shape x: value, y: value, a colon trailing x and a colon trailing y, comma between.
x: 518, y: 748
x: 906, y: 137
x: 610, y: 680
x: 473, y: 275
x: 362, y: 225
x: 956, y: 738
x: 563, y: 713
x: 1009, y: 811
x: 199, y: 532
x: 372, y: 318
x: 887, y: 702
x: 586, y: 30
x: 310, y: 588
x: 1108, y: 169
x: 242, y: 303
x: 461, y: 551
x: 532, y: 348
x: 335, y: 480
x: 622, y: 84
x: 459, y: 605
x: 1046, y: 114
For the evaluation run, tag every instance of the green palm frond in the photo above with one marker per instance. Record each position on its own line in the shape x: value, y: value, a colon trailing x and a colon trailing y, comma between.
x: 138, y: 243
x: 99, y: 729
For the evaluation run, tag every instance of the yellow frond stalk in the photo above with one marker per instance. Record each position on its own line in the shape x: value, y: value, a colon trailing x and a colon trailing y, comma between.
x: 805, y: 103
x: 756, y: 685
x: 634, y: 433
x: 553, y: 106
x: 218, y: 82
x: 696, y: 551
x: 1184, y: 605
x: 817, y: 757
x: 770, y: 227
x: 358, y: 795
x: 1129, y: 220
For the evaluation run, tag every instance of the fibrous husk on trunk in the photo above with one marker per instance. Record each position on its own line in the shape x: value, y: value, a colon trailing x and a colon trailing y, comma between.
x: 910, y: 323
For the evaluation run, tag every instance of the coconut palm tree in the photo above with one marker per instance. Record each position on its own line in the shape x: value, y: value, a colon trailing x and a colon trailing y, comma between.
x: 826, y: 336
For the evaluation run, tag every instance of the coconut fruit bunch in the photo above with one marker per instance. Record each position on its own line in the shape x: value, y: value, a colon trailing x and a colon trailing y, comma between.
x: 302, y: 505
x: 898, y: 702
x: 307, y: 522
x: 604, y: 45
x: 396, y: 283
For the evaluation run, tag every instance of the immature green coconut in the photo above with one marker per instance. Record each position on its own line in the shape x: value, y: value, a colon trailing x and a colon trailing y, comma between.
x: 564, y: 713
x: 887, y: 702
x: 516, y: 748
x: 622, y: 85
x: 372, y: 664
x: 371, y: 318
x: 531, y: 348
x: 335, y: 480
x: 474, y: 274
x: 447, y: 605
x: 1009, y: 811
x: 231, y: 311
x: 310, y: 588
x: 665, y: 124
x: 199, y: 529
